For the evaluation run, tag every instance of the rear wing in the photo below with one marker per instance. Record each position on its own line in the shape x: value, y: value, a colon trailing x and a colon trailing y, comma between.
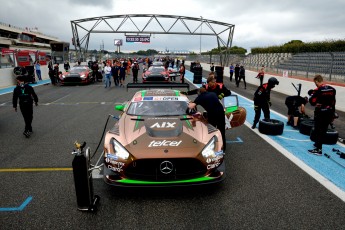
x: 157, y: 85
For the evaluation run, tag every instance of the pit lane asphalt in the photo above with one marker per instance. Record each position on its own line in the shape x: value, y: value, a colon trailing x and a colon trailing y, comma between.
x: 262, y: 190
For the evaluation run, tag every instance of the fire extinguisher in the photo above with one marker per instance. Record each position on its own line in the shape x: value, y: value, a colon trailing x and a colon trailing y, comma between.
x: 82, y: 173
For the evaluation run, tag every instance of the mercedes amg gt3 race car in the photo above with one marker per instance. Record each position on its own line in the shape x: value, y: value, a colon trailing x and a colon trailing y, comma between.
x: 156, y: 142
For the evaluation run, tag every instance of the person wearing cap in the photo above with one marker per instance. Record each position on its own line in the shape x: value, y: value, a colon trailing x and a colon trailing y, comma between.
x: 262, y: 100
x: 27, y: 96
x: 215, y: 110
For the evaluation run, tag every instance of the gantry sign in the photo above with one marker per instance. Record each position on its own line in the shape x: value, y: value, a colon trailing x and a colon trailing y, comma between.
x: 148, y: 24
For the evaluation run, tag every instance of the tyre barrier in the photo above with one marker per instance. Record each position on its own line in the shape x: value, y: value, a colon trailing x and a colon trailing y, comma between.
x: 271, y: 127
x: 306, y: 126
x: 331, y: 137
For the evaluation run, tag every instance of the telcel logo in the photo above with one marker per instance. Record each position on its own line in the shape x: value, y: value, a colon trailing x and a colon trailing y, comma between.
x: 164, y: 143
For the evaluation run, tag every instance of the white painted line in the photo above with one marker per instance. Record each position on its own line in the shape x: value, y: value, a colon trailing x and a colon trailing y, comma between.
x: 59, y: 99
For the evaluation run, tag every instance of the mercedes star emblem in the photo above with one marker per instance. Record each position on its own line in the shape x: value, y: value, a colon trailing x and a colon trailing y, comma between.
x: 166, y: 167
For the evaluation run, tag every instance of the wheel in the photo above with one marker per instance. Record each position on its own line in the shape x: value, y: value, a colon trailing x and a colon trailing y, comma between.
x: 303, y: 118
x: 330, y: 138
x: 271, y: 127
x: 306, y: 126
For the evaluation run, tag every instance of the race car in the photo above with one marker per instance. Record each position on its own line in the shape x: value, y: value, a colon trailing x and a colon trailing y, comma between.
x: 77, y: 75
x: 157, y: 142
x: 156, y: 74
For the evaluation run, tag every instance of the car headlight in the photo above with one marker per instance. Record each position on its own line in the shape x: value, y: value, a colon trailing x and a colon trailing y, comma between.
x: 119, y: 150
x: 209, y: 150
x: 82, y: 76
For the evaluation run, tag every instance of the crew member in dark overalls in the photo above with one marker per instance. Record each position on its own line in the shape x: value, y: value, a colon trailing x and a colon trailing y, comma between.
x: 295, y: 105
x: 27, y: 97
x: 323, y: 98
x: 262, y: 100
x: 215, y: 110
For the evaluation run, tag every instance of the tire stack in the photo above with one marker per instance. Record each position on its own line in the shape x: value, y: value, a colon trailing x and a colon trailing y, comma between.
x: 192, y: 65
x: 197, y: 79
x: 219, y: 73
x: 306, y: 127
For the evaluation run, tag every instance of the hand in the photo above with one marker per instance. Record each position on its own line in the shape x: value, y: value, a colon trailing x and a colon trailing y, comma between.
x: 183, y: 92
x: 15, y: 109
x: 220, y: 96
x: 270, y: 103
x: 36, y: 103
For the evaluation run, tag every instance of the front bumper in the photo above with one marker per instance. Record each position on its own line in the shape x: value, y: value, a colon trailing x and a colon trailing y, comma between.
x: 114, y: 179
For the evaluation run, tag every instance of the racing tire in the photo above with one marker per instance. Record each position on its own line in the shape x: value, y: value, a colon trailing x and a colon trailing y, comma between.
x: 301, y: 119
x: 271, y: 127
x: 331, y: 137
x: 306, y: 126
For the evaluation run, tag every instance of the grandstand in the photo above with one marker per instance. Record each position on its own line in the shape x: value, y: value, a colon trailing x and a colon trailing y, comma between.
x: 329, y: 64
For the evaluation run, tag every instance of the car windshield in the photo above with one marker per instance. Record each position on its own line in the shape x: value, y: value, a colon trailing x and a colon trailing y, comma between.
x: 158, y: 108
x: 155, y: 69
x: 77, y: 69
x: 157, y: 64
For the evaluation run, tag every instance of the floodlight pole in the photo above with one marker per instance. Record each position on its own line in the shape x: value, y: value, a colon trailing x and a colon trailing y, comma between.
x: 200, y: 32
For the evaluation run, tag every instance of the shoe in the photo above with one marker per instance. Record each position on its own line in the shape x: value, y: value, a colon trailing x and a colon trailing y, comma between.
x: 254, y: 126
x: 317, y: 152
x: 26, y: 134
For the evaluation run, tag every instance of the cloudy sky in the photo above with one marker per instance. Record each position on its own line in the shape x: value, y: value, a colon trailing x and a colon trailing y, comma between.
x: 257, y: 23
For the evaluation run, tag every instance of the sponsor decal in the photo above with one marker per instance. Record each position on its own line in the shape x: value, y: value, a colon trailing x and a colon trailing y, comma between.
x: 214, y: 159
x: 116, y: 166
x: 164, y: 143
x: 137, y: 99
x: 212, y: 166
x: 162, y: 118
x: 163, y: 98
x: 111, y: 156
x: 163, y: 125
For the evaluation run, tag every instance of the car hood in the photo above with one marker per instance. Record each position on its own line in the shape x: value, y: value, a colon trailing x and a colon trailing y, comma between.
x: 145, y: 137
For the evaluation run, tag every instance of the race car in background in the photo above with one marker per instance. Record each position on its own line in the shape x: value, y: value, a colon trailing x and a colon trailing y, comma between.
x: 77, y: 75
x: 155, y: 74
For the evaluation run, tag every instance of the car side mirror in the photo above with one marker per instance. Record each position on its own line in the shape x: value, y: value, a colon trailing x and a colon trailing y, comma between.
x: 120, y: 107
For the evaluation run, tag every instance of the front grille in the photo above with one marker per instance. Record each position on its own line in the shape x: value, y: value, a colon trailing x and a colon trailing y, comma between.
x: 150, y: 169
x: 72, y: 79
x: 155, y: 78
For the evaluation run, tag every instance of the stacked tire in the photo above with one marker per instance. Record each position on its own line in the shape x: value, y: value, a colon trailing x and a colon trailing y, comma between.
x: 219, y: 73
x: 197, y: 79
x: 307, y: 128
x: 192, y: 65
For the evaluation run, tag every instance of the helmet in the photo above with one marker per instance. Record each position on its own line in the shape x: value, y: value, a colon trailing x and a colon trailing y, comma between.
x: 272, y: 81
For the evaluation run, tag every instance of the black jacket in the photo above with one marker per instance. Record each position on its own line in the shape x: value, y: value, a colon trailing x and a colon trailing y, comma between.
x: 26, y: 95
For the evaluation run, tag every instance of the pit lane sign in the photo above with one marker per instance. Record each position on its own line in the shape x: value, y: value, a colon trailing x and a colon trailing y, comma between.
x: 142, y: 39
